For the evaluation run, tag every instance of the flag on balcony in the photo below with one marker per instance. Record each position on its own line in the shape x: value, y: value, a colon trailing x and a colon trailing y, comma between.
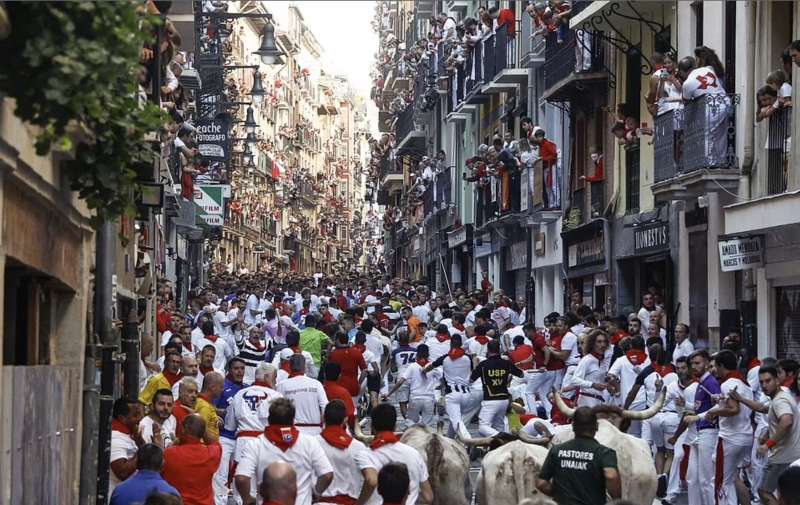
x: 276, y: 170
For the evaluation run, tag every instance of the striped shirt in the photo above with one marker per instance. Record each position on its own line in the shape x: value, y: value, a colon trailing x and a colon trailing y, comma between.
x: 252, y: 356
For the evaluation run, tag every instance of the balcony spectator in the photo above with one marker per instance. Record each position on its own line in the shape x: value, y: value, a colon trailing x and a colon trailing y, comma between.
x: 704, y: 75
x: 665, y: 88
x: 447, y: 26
x: 548, y: 153
x: 487, y: 21
x: 508, y: 173
x: 767, y: 98
x: 777, y: 81
x: 794, y: 52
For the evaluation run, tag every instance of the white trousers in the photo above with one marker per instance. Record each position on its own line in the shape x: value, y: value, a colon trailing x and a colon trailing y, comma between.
x: 242, y: 444
x: 421, y: 410
x: 677, y: 485
x: 456, y: 404
x: 733, y: 456
x: 702, y: 458
x: 584, y: 400
x: 492, y: 418
x: 220, y: 481
x: 537, y: 386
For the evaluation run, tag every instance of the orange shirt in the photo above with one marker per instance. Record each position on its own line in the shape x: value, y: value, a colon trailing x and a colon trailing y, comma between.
x: 190, y: 468
x: 350, y: 360
x: 413, y: 329
x: 335, y: 391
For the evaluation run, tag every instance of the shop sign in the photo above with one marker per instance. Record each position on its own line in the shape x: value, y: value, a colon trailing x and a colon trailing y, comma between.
x: 213, y: 138
x: 457, y: 237
x: 652, y: 237
x: 517, y: 256
x: 210, y: 202
x: 482, y: 246
x: 588, y: 252
x: 741, y: 253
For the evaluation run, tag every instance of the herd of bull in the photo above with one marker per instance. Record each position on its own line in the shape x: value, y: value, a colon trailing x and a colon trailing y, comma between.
x: 510, y: 468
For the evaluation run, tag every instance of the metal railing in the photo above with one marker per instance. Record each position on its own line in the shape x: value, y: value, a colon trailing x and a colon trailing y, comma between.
x: 579, y: 52
x: 667, y: 139
x: 778, y: 141
x: 709, y: 133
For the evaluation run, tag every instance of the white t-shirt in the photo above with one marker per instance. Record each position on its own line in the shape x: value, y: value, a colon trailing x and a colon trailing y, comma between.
x: 702, y: 81
x: 422, y: 312
x: 570, y: 343
x: 626, y: 372
x: 437, y: 349
x: 305, y: 456
x: 685, y: 348
x: 122, y: 447
x: 401, y: 453
x: 421, y: 386
x: 249, y: 408
x: 308, y: 396
x: 475, y: 348
x: 165, y: 337
x: 688, y: 398
x: 785, y: 90
x: 252, y: 304
x: 736, y: 429
x: 167, y: 430
x: 223, y: 352
x: 347, y: 467
x: 220, y: 329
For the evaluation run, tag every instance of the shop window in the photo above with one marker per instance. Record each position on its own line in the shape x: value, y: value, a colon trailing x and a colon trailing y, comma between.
x: 31, y: 304
x: 787, y: 321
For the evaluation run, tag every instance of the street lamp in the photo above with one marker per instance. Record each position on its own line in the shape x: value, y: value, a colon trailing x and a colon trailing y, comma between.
x: 250, y: 121
x: 257, y: 92
x: 269, y: 52
x: 251, y: 140
x: 247, y: 154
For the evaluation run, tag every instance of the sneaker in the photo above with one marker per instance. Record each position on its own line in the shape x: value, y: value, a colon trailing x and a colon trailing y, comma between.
x: 661, y: 491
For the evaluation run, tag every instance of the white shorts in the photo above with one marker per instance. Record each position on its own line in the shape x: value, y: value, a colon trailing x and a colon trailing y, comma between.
x: 661, y: 427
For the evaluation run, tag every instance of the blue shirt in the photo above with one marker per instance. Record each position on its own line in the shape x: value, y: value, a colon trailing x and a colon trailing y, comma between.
x: 136, y: 489
x: 703, y: 400
x: 229, y: 389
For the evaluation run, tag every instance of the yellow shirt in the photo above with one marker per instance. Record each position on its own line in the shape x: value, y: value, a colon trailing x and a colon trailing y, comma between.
x: 155, y: 383
x: 209, y: 415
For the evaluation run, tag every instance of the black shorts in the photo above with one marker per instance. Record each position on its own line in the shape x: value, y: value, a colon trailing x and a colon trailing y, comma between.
x: 374, y: 382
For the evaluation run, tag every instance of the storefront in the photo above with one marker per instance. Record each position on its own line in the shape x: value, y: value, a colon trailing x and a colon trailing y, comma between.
x: 482, y: 251
x: 459, y: 243
x: 586, y: 263
x: 516, y: 268
x: 643, y: 246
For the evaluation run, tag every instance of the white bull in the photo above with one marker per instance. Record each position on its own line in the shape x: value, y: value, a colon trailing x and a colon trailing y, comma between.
x: 634, y: 459
x: 446, y: 459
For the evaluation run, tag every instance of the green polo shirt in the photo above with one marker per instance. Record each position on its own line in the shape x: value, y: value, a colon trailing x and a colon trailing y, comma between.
x: 576, y: 469
x: 311, y: 340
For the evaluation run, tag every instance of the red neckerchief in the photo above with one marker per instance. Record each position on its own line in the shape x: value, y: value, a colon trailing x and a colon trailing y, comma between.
x: 285, y: 366
x: 383, y: 438
x: 458, y: 326
x: 172, y: 378
x: 663, y: 370
x: 295, y: 374
x: 482, y: 339
x: 442, y: 337
x: 337, y: 437
x: 296, y: 349
x: 753, y: 363
x: 205, y: 369
x: 619, y: 335
x: 119, y: 426
x: 281, y: 436
x: 787, y: 382
x: 212, y: 338
x: 188, y: 346
x: 258, y: 345
x: 636, y: 357
x: 524, y: 418
x: 734, y: 374
x: 360, y: 348
x: 456, y: 353
x: 599, y: 357
x: 422, y: 362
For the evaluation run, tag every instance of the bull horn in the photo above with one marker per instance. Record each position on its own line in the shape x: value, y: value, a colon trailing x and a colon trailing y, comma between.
x: 473, y: 442
x: 359, y: 435
x: 567, y: 411
x: 524, y: 437
x: 640, y: 415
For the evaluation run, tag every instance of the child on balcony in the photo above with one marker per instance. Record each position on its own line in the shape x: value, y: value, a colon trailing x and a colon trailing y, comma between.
x: 766, y: 97
x: 777, y: 81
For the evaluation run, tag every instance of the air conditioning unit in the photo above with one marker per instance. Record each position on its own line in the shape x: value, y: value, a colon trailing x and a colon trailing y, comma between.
x: 190, y: 79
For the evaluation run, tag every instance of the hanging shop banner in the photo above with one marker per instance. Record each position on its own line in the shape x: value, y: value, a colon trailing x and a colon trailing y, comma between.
x: 213, y: 137
x: 650, y: 238
x: 210, y: 202
x: 517, y: 256
x: 741, y: 253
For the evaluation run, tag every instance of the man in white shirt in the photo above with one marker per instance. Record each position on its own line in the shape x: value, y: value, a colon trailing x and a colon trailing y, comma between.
x: 159, y: 425
x: 590, y: 374
x: 648, y: 306
x: 624, y: 372
x: 125, y: 440
x: 354, y: 473
x: 248, y: 411
x: 189, y: 369
x: 386, y: 448
x: 307, y: 395
x: 683, y: 345
x: 422, y: 311
x: 252, y: 313
x: 223, y: 351
x: 222, y: 321
x: 421, y: 387
x: 281, y: 441
x: 681, y: 395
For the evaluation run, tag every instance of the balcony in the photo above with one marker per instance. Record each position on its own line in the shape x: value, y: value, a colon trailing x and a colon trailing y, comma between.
x: 465, y: 84
x: 507, y: 73
x: 390, y: 174
x: 779, y: 132
x: 531, y: 49
x: 544, y: 202
x: 573, y: 64
x: 695, y: 152
x: 407, y: 130
x: 498, y: 202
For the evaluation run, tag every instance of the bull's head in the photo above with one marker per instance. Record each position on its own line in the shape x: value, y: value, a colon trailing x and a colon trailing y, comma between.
x: 503, y: 438
x: 615, y: 415
x: 359, y: 435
